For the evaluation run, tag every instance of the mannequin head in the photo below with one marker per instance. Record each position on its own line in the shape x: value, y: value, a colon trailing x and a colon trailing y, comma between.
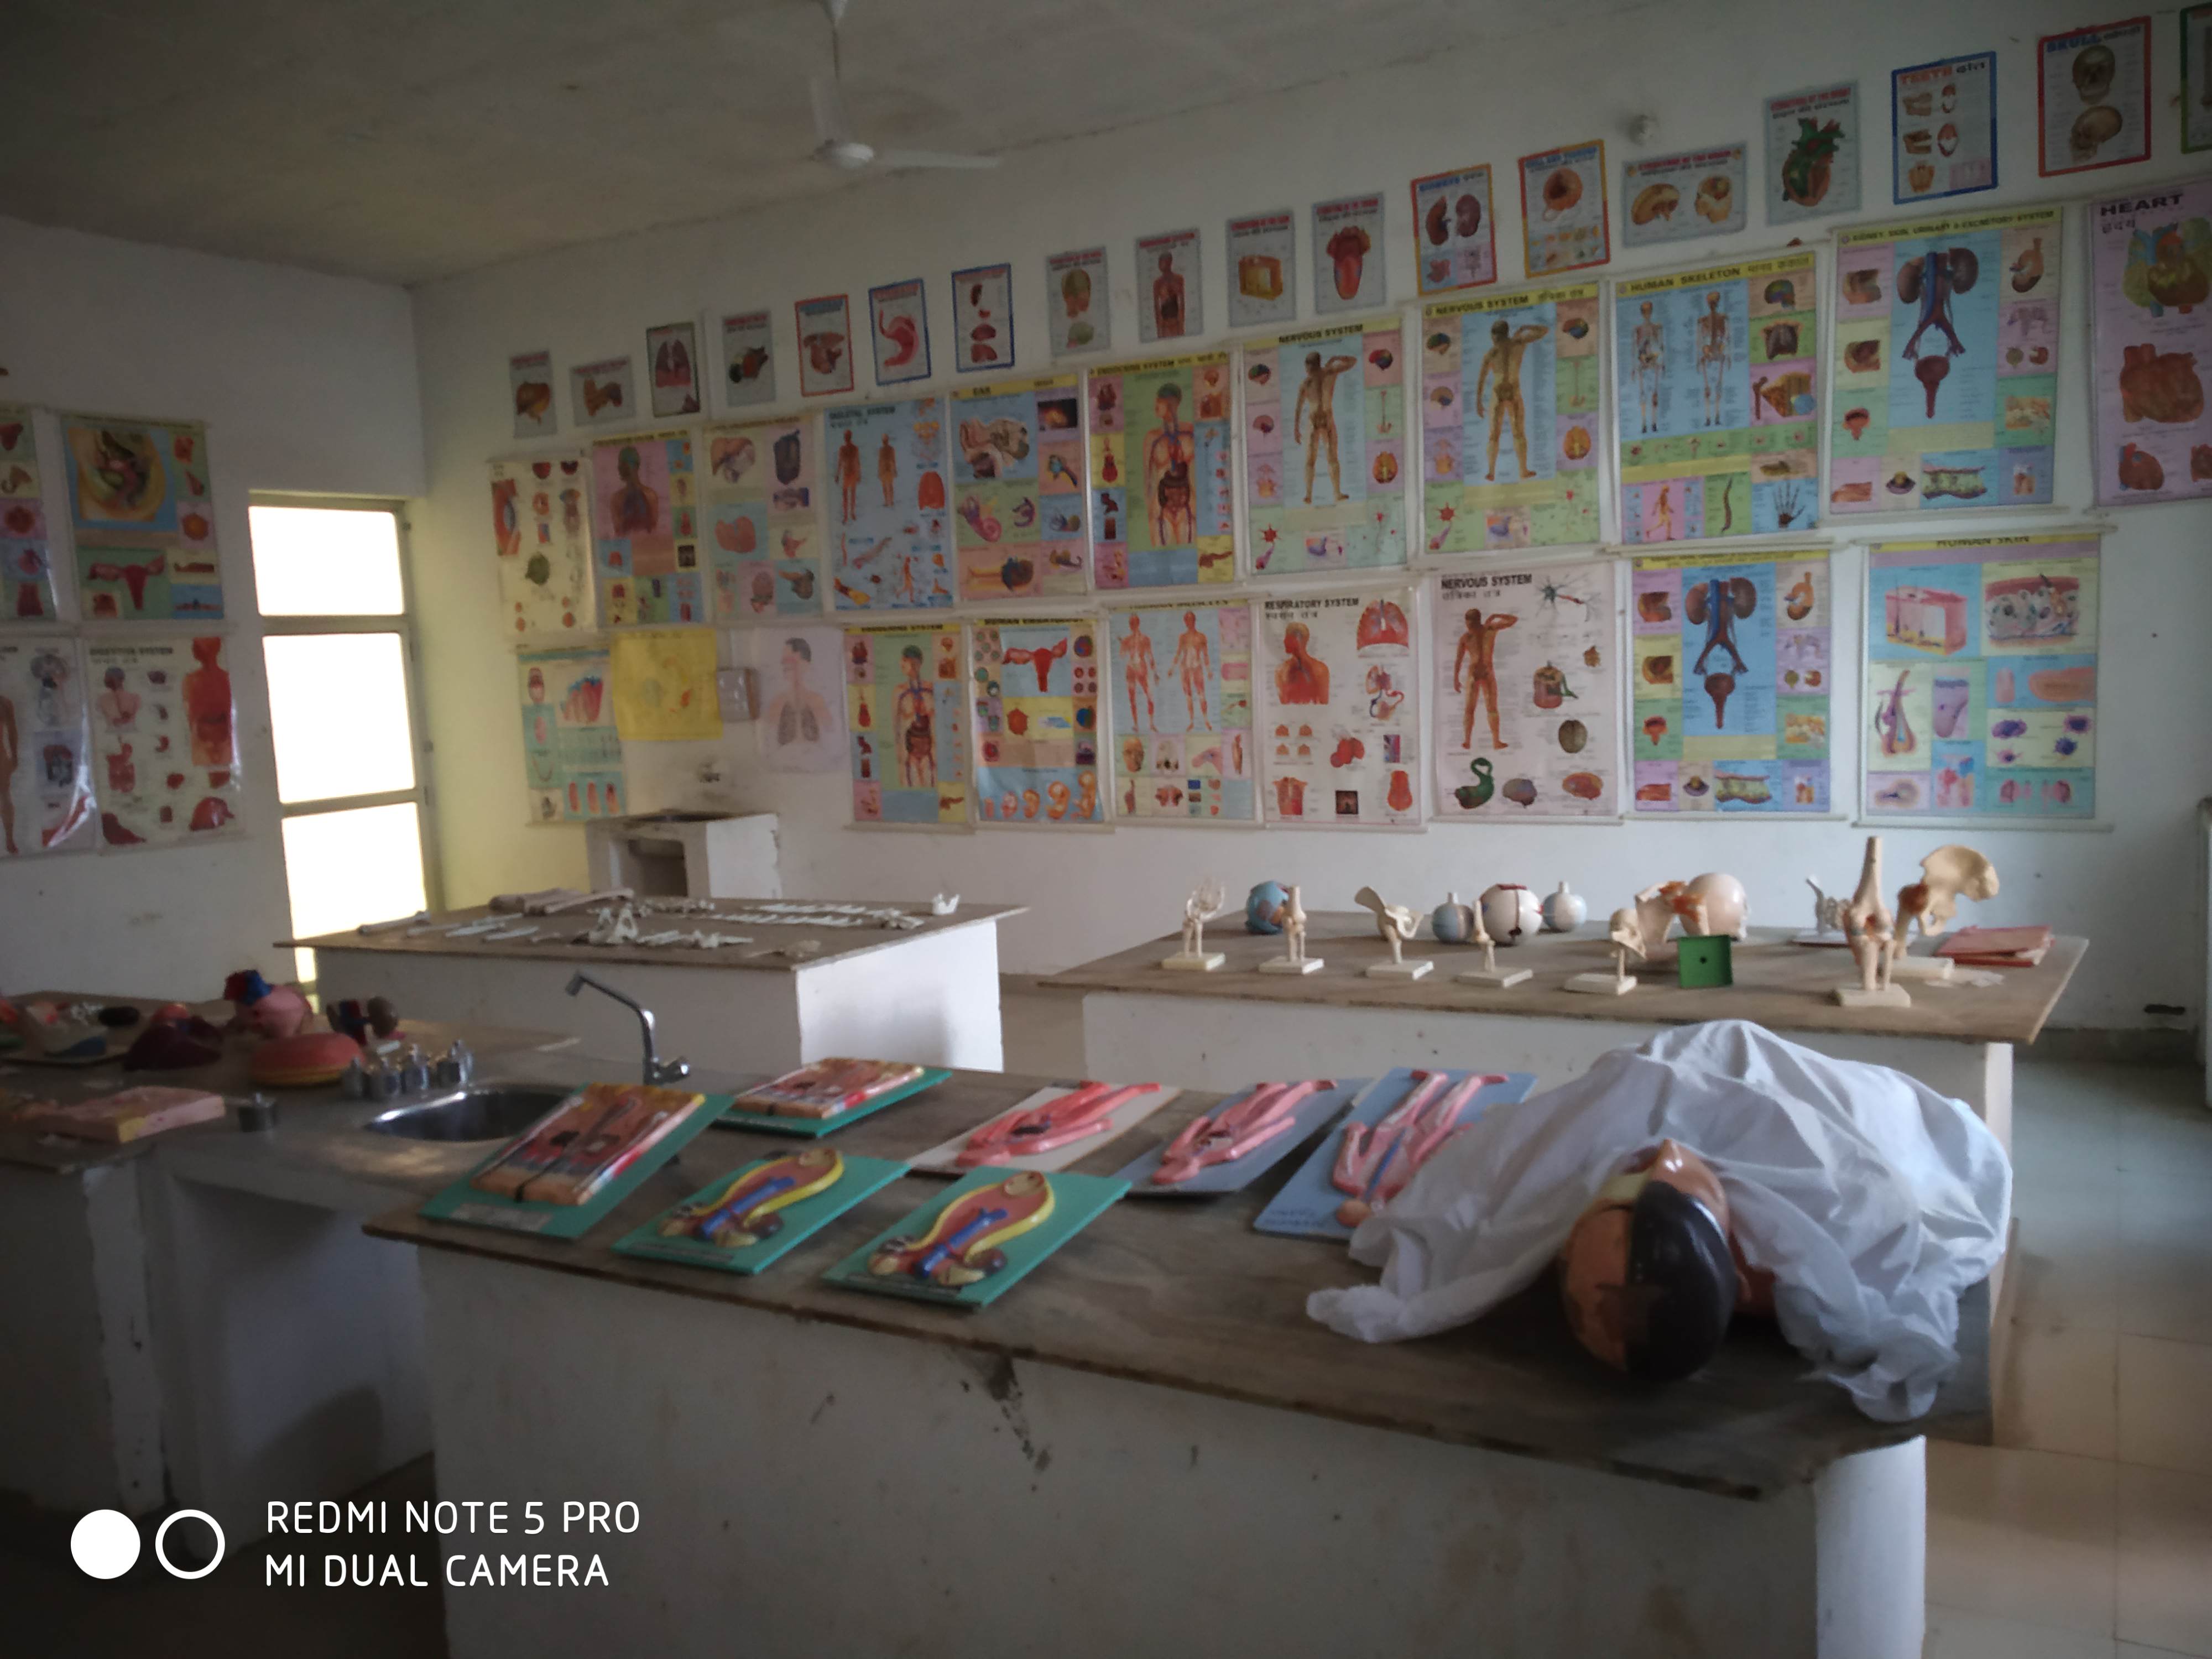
x: 1646, y: 1276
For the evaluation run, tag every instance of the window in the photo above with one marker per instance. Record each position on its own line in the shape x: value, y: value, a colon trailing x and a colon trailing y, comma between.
x: 339, y: 646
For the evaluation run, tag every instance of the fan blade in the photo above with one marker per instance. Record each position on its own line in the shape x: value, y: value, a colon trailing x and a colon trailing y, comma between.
x: 831, y: 125
x: 931, y: 158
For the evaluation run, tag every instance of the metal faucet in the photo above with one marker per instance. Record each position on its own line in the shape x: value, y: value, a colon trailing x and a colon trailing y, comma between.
x: 657, y: 1071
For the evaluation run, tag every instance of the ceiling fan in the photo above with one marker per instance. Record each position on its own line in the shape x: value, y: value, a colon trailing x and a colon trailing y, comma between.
x: 839, y: 147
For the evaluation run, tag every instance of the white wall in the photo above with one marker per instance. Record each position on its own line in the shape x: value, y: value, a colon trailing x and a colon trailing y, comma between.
x: 1703, y: 72
x: 306, y: 383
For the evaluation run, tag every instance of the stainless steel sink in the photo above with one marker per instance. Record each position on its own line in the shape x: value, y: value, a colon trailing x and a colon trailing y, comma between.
x: 483, y: 1111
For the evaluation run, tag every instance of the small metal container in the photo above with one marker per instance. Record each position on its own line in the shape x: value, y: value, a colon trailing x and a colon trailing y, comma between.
x: 257, y: 1113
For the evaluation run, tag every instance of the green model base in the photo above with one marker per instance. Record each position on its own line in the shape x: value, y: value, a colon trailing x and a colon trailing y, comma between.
x: 1705, y: 962
x: 813, y: 1129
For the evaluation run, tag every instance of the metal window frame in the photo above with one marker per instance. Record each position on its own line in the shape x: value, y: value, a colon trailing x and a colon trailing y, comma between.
x: 401, y: 623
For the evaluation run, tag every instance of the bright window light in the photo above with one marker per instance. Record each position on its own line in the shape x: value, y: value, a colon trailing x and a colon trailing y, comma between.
x: 345, y: 868
x: 326, y: 562
x: 337, y: 703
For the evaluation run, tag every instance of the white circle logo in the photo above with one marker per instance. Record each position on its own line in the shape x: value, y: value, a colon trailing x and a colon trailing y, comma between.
x: 161, y: 1533
x: 105, y: 1544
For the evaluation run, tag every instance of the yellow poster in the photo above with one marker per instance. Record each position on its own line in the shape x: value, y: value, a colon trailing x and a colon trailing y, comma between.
x: 664, y: 685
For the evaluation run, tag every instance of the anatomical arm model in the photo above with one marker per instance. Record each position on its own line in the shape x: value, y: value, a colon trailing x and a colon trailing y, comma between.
x: 1231, y: 1132
x: 1376, y: 1161
x: 1085, y: 1110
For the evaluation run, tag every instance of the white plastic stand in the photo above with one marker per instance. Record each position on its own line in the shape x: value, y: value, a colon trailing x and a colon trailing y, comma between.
x: 1602, y: 985
x: 1184, y: 961
x: 1885, y: 996
x: 1498, y: 977
x: 1286, y: 965
x: 1401, y: 969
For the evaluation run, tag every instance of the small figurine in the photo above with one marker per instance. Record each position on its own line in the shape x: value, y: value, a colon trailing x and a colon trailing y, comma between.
x: 1511, y: 913
x: 1396, y: 924
x: 1294, y: 959
x: 1490, y: 974
x: 1564, y: 911
x: 962, y: 1245
x: 1627, y: 933
x: 1207, y: 900
x: 945, y: 904
x: 1932, y: 900
x: 1828, y: 926
x: 1867, y: 925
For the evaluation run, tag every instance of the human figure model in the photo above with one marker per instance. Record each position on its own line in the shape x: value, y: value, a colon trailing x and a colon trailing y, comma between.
x: 1478, y: 652
x: 1193, y: 660
x: 1207, y: 901
x: 1648, y: 342
x: 1396, y: 924
x: 848, y: 479
x: 1170, y: 497
x: 1137, y: 674
x: 1507, y: 347
x: 1867, y: 927
x: 914, y: 717
x: 1712, y: 356
x: 1319, y: 390
x: 207, y: 704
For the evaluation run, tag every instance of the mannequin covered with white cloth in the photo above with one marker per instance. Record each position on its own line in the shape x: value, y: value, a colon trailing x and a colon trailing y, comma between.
x: 1873, y: 1201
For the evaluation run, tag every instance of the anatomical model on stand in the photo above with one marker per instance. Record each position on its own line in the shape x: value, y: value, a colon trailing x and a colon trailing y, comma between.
x: 1946, y: 874
x: 1489, y: 973
x: 1866, y: 926
x: 1291, y: 917
x: 1207, y: 900
x: 1627, y: 932
x: 1396, y: 924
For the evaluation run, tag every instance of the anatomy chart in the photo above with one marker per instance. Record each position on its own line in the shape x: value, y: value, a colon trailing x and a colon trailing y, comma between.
x: 899, y: 330
x: 2195, y: 23
x: 46, y: 749
x: 1526, y: 721
x: 1168, y: 287
x: 825, y: 345
x: 2151, y: 252
x: 1981, y: 677
x: 2093, y: 97
x: 1182, y: 706
x: 1718, y: 377
x: 601, y: 394
x: 1454, y: 238
x: 983, y: 318
x: 571, y: 756
x: 1812, y: 149
x: 672, y: 351
x: 1730, y: 682
x: 1076, y: 301
x: 1341, y: 709
x: 540, y: 525
x: 1017, y: 489
x: 1037, y: 721
x: 1510, y: 420
x: 1325, y: 449
x: 27, y: 570
x: 663, y: 680
x: 802, y: 715
x: 1946, y: 369
x: 748, y: 360
x: 1162, y: 515
x: 906, y: 715
x: 164, y: 738
x: 1263, y: 268
x: 529, y: 382
x: 1943, y: 128
x: 1678, y: 198
x: 889, y: 546
x: 143, y: 512
x: 1347, y: 255
x: 760, y: 496
x: 1563, y: 218
x: 645, y: 529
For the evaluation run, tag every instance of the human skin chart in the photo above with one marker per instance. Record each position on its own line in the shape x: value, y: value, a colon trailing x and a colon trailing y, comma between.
x: 1525, y: 716
x: 1730, y: 680
x: 889, y: 549
x: 1161, y: 500
x: 2151, y: 258
x: 46, y: 749
x: 143, y: 509
x: 1181, y: 703
x: 1716, y: 376
x: 1946, y: 368
x: 1325, y: 449
x: 1340, y: 710
x: 571, y: 754
x: 165, y: 738
x: 762, y: 496
x: 1018, y: 489
x: 906, y: 713
x: 26, y: 575
x: 1037, y: 721
x: 1510, y: 391
x: 541, y: 529
x: 645, y: 529
x: 1980, y: 694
